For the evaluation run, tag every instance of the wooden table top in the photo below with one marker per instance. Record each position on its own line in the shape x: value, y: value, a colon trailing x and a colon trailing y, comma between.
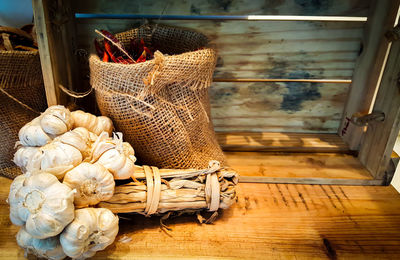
x: 269, y: 221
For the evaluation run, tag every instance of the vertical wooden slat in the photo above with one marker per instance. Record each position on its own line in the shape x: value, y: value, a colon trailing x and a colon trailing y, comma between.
x: 368, y: 68
x: 42, y: 30
x: 56, y: 40
x: 380, y: 137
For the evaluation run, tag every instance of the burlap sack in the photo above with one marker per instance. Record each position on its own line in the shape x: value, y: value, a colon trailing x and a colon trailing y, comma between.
x: 166, y: 120
x: 20, y: 79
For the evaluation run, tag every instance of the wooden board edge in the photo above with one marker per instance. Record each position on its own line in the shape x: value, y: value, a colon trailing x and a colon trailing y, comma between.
x: 321, y: 181
x: 368, y: 69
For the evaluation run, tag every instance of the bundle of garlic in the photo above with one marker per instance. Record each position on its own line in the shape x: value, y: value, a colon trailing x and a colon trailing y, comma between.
x: 71, y: 163
x: 44, y: 201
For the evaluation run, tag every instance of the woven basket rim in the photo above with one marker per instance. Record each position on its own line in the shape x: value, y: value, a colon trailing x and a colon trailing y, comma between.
x: 166, y: 57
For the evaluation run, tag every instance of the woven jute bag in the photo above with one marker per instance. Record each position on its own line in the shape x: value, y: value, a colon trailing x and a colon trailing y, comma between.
x: 21, y: 94
x: 162, y: 105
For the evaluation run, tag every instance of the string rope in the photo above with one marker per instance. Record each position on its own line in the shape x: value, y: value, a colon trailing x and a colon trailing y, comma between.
x: 73, y: 93
x: 19, y: 102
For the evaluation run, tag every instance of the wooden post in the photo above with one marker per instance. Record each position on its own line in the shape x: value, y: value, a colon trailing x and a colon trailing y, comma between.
x: 380, y: 137
x: 53, y: 20
x: 44, y: 51
x: 368, y: 69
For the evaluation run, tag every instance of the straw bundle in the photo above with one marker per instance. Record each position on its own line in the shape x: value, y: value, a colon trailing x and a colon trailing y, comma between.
x: 183, y: 190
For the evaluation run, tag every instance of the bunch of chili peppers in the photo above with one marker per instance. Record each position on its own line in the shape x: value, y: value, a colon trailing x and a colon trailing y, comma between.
x: 111, y: 50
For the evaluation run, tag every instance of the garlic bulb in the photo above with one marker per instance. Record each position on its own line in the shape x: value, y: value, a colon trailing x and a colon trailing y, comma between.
x: 92, y: 230
x: 56, y: 120
x: 56, y: 158
x: 42, y: 203
x: 95, y: 124
x: 24, y: 155
x: 49, y: 248
x: 32, y: 134
x: 93, y: 184
x: 115, y: 155
x: 17, y: 184
x: 80, y: 138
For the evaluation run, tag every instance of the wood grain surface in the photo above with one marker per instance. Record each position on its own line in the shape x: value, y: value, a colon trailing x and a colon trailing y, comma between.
x: 297, y: 165
x: 281, y: 142
x: 277, y: 107
x: 258, y: 50
x: 222, y: 7
x: 269, y: 221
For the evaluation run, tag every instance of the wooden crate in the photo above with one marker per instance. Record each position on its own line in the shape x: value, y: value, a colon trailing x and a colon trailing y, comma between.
x: 290, y: 76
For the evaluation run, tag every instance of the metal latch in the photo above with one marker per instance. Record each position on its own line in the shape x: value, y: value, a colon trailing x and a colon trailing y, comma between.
x: 394, y: 34
x: 363, y: 119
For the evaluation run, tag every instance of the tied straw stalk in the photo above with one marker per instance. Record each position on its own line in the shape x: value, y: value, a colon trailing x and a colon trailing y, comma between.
x: 183, y: 190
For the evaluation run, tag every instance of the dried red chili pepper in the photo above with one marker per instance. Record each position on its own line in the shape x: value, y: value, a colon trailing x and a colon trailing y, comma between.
x: 148, y: 51
x: 105, y: 57
x: 142, y: 57
x: 107, y: 47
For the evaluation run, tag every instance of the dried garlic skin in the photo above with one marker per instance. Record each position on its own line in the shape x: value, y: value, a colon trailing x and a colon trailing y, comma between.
x: 93, y: 184
x: 92, y: 230
x: 57, y: 158
x: 95, y: 124
x: 24, y: 155
x: 49, y: 248
x: 56, y: 120
x: 42, y: 203
x: 17, y: 183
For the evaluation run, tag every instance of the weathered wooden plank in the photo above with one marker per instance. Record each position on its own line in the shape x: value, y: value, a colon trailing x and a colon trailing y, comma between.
x: 39, y: 12
x: 368, y: 69
x: 281, y: 142
x: 55, y: 32
x: 380, y: 137
x: 320, y: 181
x: 268, y: 221
x: 264, y: 49
x: 287, y: 107
x: 277, y: 107
x: 297, y: 165
x: 235, y: 7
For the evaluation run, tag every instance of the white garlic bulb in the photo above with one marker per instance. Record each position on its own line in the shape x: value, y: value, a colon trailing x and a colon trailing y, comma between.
x: 25, y: 155
x: 56, y: 120
x: 121, y: 166
x: 49, y: 248
x: 95, y: 124
x: 32, y: 134
x: 80, y: 138
x: 42, y: 203
x: 17, y: 183
x: 115, y: 155
x: 92, y: 230
x: 56, y: 158
x: 93, y: 184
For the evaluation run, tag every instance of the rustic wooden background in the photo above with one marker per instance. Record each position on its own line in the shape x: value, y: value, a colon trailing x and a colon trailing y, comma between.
x: 258, y: 50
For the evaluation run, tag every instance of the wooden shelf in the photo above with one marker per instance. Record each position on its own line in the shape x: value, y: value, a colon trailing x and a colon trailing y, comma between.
x: 293, y: 158
x: 306, y: 168
x: 282, y: 142
x: 277, y: 221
